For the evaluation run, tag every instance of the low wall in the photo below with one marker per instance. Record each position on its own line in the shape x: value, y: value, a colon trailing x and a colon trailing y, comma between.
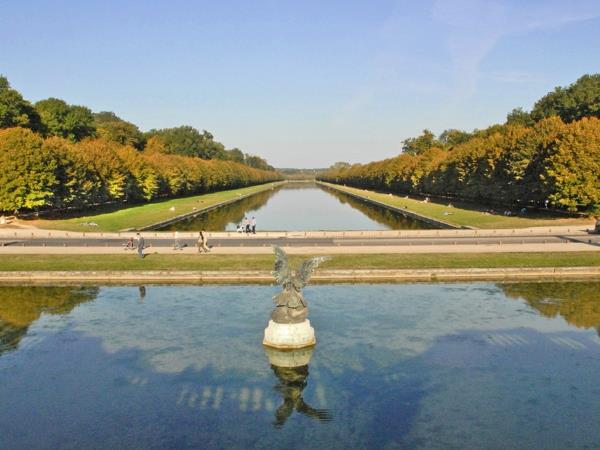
x: 264, y: 276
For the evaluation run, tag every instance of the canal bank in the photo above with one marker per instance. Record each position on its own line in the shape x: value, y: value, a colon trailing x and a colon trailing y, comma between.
x: 324, y: 276
x: 201, y: 211
x: 405, y: 212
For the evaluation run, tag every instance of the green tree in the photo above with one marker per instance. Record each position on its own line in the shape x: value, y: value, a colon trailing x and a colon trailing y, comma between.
x: 519, y: 117
x: 27, y: 171
x: 188, y: 141
x: 111, y: 127
x: 419, y: 144
x: 453, y: 137
x: 580, y: 99
x: 67, y: 121
x: 14, y: 110
x: 236, y: 155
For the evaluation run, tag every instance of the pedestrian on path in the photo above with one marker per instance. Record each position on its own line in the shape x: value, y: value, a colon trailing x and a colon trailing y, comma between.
x: 177, y: 245
x: 253, y: 223
x: 140, y: 245
x: 202, y: 243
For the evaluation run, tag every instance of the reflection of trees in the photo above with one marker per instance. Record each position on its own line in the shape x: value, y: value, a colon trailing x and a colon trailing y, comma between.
x: 384, y: 216
x: 218, y: 218
x: 577, y: 303
x: 21, y: 306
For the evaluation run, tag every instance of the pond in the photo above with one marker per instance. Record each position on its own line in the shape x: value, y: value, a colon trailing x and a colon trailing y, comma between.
x: 473, y: 365
x: 299, y: 206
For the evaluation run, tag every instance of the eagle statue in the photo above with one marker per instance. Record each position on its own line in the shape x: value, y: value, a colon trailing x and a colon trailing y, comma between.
x: 290, y: 306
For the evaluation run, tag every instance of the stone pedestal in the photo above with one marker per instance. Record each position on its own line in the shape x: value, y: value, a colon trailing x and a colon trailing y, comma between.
x: 289, y: 335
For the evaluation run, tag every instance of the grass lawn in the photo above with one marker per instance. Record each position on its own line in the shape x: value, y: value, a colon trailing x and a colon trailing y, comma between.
x: 462, y: 214
x: 134, y: 217
x: 265, y: 262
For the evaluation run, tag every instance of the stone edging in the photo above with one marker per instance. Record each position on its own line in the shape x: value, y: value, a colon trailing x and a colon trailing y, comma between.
x: 404, y: 212
x: 202, y: 211
x: 264, y: 276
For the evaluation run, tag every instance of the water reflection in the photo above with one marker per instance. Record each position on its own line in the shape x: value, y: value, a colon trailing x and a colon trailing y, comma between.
x: 291, y: 369
x: 397, y: 366
x: 218, y: 219
x: 21, y: 306
x: 299, y: 206
x: 378, y: 214
x: 577, y: 303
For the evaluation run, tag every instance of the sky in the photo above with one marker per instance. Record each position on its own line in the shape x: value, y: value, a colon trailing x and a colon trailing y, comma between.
x: 300, y: 83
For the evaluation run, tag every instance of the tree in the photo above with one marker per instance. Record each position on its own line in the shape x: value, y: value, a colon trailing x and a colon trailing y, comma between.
x: 519, y: 117
x: 453, y: 137
x: 339, y: 165
x: 111, y: 127
x: 186, y: 140
x: 580, y: 99
x: 14, y: 110
x: 419, y: 144
x: 236, y: 155
x: 27, y: 171
x: 67, y: 121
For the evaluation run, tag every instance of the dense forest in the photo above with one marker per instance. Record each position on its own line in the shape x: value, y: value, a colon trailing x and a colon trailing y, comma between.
x: 56, y: 156
x: 551, y: 153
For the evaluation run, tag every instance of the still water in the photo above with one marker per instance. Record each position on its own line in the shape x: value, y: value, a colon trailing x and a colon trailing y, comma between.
x: 299, y: 206
x: 468, y: 366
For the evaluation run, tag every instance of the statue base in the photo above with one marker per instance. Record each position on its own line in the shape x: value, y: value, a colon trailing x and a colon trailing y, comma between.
x: 289, y: 335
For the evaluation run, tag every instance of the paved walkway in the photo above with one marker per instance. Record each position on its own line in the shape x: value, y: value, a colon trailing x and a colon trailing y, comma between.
x: 538, y: 239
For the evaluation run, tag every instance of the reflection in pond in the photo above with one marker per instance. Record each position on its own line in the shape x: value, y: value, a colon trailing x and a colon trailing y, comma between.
x: 577, y: 303
x: 455, y: 365
x: 291, y: 369
x: 381, y: 215
x: 21, y: 306
x: 224, y: 218
x: 299, y: 206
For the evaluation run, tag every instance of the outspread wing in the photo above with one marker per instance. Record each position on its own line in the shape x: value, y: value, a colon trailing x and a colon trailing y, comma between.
x: 307, y: 268
x: 281, y: 271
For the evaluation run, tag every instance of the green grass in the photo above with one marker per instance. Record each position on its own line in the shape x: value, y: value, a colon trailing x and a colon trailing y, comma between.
x: 265, y: 262
x: 464, y: 215
x: 135, y: 217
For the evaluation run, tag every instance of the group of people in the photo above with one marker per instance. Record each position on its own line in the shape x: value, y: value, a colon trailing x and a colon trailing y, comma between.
x: 247, y: 226
x: 140, y: 243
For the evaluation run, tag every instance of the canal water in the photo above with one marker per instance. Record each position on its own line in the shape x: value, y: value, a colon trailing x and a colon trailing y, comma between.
x: 466, y: 365
x: 299, y: 206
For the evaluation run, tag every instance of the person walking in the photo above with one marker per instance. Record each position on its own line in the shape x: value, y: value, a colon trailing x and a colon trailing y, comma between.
x: 177, y: 245
x: 202, y: 243
x: 253, y: 223
x: 140, y: 245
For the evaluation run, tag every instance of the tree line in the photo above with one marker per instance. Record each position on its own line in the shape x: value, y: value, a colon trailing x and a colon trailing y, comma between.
x: 59, y: 156
x: 551, y: 153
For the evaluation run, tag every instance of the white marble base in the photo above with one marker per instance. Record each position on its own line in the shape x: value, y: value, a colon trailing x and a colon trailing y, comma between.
x: 289, y: 335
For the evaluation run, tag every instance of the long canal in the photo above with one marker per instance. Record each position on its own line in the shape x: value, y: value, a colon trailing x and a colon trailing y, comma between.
x: 299, y: 206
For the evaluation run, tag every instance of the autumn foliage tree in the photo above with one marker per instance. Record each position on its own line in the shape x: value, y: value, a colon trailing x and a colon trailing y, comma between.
x: 552, y: 153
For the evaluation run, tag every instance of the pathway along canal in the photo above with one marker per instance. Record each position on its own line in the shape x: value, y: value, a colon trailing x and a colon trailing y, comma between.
x: 299, y: 206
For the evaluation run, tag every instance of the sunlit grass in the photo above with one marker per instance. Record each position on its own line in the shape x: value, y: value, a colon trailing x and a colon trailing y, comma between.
x: 460, y: 214
x: 135, y: 217
x: 265, y: 262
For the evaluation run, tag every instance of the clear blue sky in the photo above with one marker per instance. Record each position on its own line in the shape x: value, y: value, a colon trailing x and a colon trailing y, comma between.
x: 301, y: 83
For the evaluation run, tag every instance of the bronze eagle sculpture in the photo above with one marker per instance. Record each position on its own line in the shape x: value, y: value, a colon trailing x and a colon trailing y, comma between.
x: 290, y: 306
